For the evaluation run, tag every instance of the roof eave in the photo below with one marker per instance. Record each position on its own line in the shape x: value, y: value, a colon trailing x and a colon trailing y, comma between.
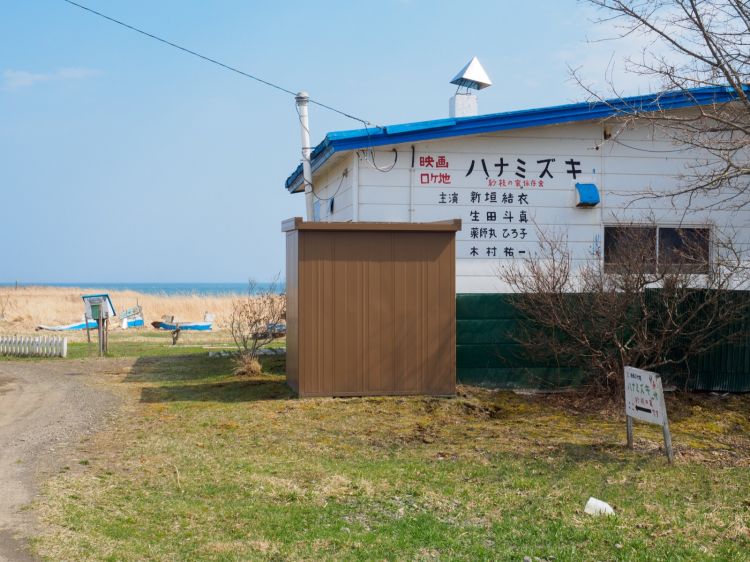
x: 558, y: 115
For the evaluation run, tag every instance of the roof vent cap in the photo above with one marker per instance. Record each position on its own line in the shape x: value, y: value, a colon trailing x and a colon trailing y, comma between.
x: 472, y: 76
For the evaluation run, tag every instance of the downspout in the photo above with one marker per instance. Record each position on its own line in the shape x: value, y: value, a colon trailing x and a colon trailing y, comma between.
x: 411, y: 186
x: 302, y: 99
x: 602, y: 188
x: 355, y: 186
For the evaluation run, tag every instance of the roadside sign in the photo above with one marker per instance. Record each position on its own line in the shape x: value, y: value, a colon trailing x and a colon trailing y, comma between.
x: 644, y: 401
x: 644, y: 397
x: 105, y: 306
x: 99, y: 308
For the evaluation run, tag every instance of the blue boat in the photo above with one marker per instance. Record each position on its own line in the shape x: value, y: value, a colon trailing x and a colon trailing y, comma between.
x: 172, y: 326
x: 67, y: 327
x: 134, y: 322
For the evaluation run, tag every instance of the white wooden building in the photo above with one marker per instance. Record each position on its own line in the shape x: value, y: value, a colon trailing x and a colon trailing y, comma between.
x: 509, y: 175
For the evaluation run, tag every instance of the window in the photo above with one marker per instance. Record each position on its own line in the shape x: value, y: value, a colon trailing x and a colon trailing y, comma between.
x: 628, y: 246
x: 646, y: 247
x: 686, y: 247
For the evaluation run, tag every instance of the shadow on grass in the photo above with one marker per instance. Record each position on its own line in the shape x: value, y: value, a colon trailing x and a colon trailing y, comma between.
x: 193, y: 367
x: 610, y: 454
x: 228, y: 391
x: 199, y: 378
x: 177, y: 368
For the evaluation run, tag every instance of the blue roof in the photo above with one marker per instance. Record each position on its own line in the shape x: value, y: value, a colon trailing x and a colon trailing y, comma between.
x: 461, y: 126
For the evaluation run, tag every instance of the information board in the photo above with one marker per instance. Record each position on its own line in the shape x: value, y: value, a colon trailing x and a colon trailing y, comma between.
x: 644, y: 397
x: 644, y: 400
x: 500, y: 198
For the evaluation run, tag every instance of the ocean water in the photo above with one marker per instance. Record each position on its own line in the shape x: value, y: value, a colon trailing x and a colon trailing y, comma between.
x: 163, y: 288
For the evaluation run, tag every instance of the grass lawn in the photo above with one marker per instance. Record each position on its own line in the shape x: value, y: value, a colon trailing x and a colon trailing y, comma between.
x: 149, y: 342
x: 209, y: 466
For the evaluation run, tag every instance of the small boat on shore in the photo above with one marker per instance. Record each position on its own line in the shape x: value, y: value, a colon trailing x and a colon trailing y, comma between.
x: 66, y: 327
x: 168, y: 323
x: 133, y: 322
x: 132, y: 317
x: 172, y: 326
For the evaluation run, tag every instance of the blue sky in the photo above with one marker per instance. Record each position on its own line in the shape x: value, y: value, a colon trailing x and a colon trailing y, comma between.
x: 122, y: 159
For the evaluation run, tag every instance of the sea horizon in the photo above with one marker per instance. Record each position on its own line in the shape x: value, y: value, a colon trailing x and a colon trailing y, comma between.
x: 156, y: 287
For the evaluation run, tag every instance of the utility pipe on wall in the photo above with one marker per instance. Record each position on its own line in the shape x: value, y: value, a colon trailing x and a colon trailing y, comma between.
x: 411, y: 186
x: 301, y: 100
x: 355, y: 186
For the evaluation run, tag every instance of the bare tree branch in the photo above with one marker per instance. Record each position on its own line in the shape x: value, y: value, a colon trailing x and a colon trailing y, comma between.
x: 692, y: 44
x: 634, y: 309
x: 255, y: 321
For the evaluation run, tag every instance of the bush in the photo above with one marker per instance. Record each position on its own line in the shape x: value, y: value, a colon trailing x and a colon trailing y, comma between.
x: 602, y: 315
x: 255, y: 320
x: 247, y: 365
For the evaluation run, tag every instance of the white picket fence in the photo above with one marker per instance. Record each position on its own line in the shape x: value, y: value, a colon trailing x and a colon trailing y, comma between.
x: 38, y: 346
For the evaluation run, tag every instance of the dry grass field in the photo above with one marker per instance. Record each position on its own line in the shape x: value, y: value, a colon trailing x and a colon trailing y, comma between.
x: 25, y: 308
x: 206, y: 465
x: 203, y: 464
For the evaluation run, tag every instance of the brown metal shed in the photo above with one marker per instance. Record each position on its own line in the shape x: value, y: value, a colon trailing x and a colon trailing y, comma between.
x: 371, y: 308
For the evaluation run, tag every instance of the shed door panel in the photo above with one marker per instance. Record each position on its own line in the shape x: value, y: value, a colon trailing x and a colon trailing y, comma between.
x: 379, y: 316
x: 378, y: 313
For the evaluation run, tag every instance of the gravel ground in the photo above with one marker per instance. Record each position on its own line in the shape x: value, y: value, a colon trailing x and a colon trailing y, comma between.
x: 46, y: 409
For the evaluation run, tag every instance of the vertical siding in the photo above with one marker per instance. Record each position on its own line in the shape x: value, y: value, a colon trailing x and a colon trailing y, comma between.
x: 489, y: 355
x: 376, y: 313
x: 292, y: 307
x: 727, y: 367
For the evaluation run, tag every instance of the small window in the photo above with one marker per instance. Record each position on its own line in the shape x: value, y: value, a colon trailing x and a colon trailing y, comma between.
x: 641, y: 248
x: 684, y: 248
x: 629, y: 247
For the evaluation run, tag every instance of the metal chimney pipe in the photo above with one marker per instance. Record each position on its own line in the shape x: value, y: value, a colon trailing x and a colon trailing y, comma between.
x: 302, y: 99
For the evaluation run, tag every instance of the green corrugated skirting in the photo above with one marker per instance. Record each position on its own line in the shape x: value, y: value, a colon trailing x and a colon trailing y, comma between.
x: 520, y: 377
x: 487, y: 354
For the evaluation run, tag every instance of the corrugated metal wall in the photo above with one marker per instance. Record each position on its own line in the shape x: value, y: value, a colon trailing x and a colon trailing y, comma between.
x: 488, y: 355
x: 727, y: 367
x: 372, y: 308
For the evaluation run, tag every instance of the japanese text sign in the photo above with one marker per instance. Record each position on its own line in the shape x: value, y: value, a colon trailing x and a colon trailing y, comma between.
x: 644, y: 397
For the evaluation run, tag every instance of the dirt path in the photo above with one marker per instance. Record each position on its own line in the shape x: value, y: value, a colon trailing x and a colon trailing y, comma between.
x: 46, y: 408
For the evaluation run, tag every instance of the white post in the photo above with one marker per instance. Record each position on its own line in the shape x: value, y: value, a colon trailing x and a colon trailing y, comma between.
x: 302, y: 99
x: 355, y: 186
x: 412, y: 173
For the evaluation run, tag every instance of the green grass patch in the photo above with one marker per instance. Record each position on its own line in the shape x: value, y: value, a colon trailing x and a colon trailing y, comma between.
x: 148, y: 343
x: 217, y: 467
x: 83, y: 350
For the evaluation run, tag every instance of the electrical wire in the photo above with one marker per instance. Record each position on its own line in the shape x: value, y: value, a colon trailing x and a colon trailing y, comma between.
x: 365, y: 122
x: 650, y: 149
x: 341, y: 182
x: 214, y: 61
x: 371, y: 160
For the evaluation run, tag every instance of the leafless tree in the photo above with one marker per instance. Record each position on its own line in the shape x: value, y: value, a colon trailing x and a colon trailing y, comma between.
x: 256, y: 320
x: 637, y: 307
x: 691, y: 44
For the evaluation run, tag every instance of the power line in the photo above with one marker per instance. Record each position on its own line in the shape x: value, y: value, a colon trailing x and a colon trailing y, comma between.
x: 214, y: 61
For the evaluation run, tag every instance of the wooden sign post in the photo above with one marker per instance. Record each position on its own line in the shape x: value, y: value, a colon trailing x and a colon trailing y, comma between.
x: 99, y: 308
x: 644, y: 400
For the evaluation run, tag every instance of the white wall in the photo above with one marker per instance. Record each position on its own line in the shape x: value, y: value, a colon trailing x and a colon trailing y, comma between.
x: 634, y: 161
x: 334, y: 183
